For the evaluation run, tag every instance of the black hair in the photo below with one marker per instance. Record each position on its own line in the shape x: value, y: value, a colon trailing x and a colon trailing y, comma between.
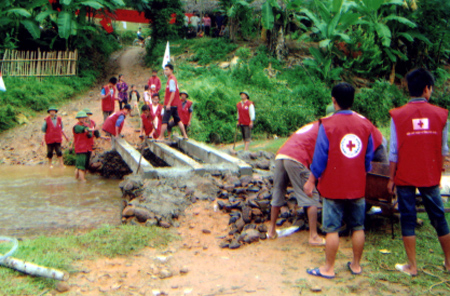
x: 120, y: 75
x: 154, y: 71
x: 155, y: 95
x: 146, y: 87
x: 417, y: 80
x: 113, y: 80
x: 127, y: 106
x: 145, y: 108
x: 344, y: 94
x: 132, y: 86
x: 170, y: 66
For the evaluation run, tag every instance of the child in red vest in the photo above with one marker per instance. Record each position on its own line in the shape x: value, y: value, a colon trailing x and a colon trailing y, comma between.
x: 292, y: 166
x: 114, y: 123
x: 53, y: 129
x: 418, y: 144
x: 154, y: 83
x: 342, y: 155
x: 147, y: 126
x: 81, y: 135
x: 184, y: 111
x: 109, y: 95
x: 91, y: 124
x: 246, y: 117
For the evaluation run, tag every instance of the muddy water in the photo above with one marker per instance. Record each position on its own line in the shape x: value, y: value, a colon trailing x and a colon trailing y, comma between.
x: 36, y: 200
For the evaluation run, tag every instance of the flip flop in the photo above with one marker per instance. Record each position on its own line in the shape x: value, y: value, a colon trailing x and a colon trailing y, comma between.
x: 401, y: 268
x: 322, y: 243
x: 316, y: 272
x: 351, y: 270
x: 273, y: 237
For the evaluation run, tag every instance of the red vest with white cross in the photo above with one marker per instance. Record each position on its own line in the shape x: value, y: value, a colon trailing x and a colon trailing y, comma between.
x: 176, y: 99
x: 81, y: 141
x: 110, y: 123
x: 244, y: 112
x: 158, y: 114
x: 91, y: 124
x: 345, y: 174
x: 419, y: 128
x: 300, y: 146
x: 183, y: 112
x: 53, y: 134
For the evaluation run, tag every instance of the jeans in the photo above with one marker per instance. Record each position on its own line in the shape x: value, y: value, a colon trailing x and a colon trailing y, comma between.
x: 352, y: 210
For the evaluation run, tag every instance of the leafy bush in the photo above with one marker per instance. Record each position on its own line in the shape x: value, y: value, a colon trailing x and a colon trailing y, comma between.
x: 69, y: 157
x: 210, y: 50
x: 375, y: 102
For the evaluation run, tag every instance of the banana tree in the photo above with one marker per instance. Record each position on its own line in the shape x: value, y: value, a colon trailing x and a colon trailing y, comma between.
x: 236, y: 11
x: 330, y: 26
x: 275, y: 16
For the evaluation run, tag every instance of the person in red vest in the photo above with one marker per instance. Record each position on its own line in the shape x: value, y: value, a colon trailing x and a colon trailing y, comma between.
x: 417, y: 146
x: 149, y: 123
x: 81, y: 135
x: 185, y: 110
x: 154, y: 83
x: 91, y: 124
x: 157, y: 113
x: 114, y: 123
x: 109, y: 95
x: 342, y: 156
x: 246, y: 117
x: 53, y: 129
x: 292, y: 165
x: 171, y: 103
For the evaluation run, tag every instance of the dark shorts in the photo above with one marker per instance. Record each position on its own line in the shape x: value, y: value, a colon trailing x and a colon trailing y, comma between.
x: 106, y: 115
x: 122, y: 103
x: 297, y: 174
x: 80, y: 162
x: 56, y: 147
x: 434, y: 206
x: 246, y: 133
x: 88, y: 159
x: 335, y: 210
x: 173, y: 112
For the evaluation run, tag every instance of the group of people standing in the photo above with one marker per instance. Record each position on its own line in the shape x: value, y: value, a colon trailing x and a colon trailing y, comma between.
x: 335, y: 153
x: 196, y: 26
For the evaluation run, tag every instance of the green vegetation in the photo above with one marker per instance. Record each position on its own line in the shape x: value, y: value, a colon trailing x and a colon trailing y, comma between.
x: 62, y: 252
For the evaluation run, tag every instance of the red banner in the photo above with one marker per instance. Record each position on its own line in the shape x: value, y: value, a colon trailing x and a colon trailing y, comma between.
x: 106, y: 24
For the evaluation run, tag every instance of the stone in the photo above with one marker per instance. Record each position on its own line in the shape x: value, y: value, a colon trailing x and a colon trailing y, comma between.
x: 256, y: 212
x: 240, y: 223
x: 164, y: 224
x: 184, y: 270
x: 247, y: 214
x: 254, y: 155
x: 263, y: 165
x: 251, y: 235
x: 128, y: 211
x: 142, y: 214
x: 165, y: 273
x: 280, y: 221
x: 224, y: 244
x: 206, y: 231
x: 234, y: 244
x: 62, y: 287
x: 262, y: 228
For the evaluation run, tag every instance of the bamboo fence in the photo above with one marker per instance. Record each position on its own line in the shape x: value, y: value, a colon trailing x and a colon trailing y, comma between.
x: 40, y: 64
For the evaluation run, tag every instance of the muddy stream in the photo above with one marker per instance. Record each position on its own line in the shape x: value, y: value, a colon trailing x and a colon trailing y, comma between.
x: 36, y: 201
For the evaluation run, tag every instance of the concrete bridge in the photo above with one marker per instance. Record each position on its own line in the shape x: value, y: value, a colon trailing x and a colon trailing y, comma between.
x: 190, y: 158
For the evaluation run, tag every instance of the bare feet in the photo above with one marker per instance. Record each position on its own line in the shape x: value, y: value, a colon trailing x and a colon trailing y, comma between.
x: 406, y: 269
x: 317, y: 241
x: 272, y: 234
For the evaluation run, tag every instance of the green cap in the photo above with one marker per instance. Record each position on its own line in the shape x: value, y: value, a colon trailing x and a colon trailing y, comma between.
x: 88, y: 111
x: 246, y: 93
x: 52, y: 108
x: 81, y: 114
x: 184, y: 92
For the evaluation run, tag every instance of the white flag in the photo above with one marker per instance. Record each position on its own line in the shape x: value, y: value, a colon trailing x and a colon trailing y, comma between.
x: 166, y: 58
x: 2, y: 84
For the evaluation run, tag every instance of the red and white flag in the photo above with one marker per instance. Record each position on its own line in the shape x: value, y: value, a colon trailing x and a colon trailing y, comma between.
x: 420, y: 124
x: 166, y: 58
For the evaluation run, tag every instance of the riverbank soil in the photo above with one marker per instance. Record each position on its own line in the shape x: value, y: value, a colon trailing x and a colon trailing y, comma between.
x: 194, y: 264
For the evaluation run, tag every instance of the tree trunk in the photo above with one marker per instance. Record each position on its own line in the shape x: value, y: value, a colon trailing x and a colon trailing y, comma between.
x: 277, y: 42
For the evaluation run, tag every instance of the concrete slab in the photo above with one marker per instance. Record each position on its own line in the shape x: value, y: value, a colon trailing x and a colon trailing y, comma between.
x: 210, y: 155
x: 174, y: 157
x: 131, y: 156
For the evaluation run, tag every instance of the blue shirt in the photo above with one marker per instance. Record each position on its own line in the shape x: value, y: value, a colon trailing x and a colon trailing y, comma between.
x: 320, y: 158
x: 120, y: 120
x: 393, y: 147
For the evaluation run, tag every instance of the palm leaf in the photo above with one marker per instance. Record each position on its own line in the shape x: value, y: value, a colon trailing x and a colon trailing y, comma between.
x: 92, y: 4
x: 64, y: 24
x: 43, y: 14
x: 32, y: 28
x: 384, y: 33
x: 400, y: 19
x: 267, y: 16
x: 66, y: 2
x: 19, y: 11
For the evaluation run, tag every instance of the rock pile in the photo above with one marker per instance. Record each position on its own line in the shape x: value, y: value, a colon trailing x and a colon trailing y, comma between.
x: 110, y: 165
x: 161, y: 202
x: 262, y: 160
x: 247, y: 200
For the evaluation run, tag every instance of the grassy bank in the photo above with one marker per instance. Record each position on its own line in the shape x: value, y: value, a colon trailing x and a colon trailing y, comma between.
x: 62, y: 252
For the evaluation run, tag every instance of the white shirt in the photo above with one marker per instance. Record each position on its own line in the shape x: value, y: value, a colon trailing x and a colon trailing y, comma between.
x: 195, y: 20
